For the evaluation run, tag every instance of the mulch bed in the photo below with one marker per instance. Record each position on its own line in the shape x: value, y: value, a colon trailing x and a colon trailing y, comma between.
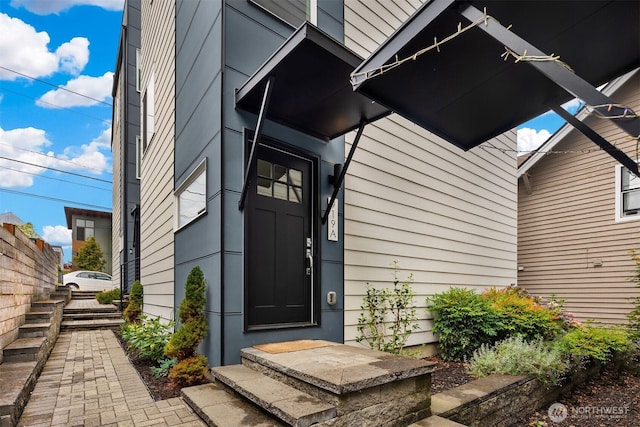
x: 611, y: 389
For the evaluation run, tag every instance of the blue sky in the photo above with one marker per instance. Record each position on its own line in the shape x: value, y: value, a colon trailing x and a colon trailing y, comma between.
x: 57, y: 43
x: 72, y: 44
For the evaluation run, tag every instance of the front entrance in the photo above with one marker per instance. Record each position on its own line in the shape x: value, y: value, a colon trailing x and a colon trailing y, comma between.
x: 279, y: 241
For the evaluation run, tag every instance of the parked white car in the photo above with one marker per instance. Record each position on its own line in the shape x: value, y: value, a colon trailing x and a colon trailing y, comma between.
x: 88, y: 281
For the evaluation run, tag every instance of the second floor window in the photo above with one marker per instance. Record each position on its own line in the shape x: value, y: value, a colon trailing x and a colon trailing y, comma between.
x: 85, y: 228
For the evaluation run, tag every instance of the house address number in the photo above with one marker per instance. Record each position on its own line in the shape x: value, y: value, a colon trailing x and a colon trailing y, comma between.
x: 332, y: 222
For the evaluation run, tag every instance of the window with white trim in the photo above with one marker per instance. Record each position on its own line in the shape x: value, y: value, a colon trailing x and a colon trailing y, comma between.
x: 627, y: 195
x: 147, y: 110
x: 191, y: 196
x: 138, y: 156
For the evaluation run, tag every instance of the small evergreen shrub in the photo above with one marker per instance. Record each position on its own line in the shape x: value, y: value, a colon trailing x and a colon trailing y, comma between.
x: 464, y: 321
x: 516, y: 356
x: 190, y: 371
x: 147, y: 338
x: 164, y: 365
x: 388, y: 316
x: 191, y: 367
x: 134, y: 308
x: 107, y: 297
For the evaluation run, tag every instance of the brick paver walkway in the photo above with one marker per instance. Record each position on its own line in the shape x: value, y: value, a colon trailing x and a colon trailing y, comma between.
x: 89, y: 381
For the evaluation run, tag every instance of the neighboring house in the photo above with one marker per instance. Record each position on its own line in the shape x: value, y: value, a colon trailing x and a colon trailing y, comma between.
x: 274, y: 270
x: 86, y: 223
x: 58, y: 250
x: 126, y: 146
x: 10, y: 218
x: 579, y: 216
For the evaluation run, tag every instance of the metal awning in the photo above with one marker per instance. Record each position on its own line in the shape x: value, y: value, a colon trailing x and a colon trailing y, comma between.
x: 465, y: 91
x: 310, y: 86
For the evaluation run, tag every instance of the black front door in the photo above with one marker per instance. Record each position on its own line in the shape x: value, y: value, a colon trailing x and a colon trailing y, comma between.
x: 279, y: 241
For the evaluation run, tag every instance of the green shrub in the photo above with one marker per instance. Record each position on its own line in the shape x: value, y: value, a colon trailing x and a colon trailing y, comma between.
x: 516, y: 356
x: 134, y: 308
x: 184, y: 342
x: 107, y: 297
x: 190, y: 371
x: 634, y: 316
x: 464, y: 321
x: 388, y: 316
x: 164, y: 365
x: 593, y: 343
x: 147, y: 338
x: 523, y: 315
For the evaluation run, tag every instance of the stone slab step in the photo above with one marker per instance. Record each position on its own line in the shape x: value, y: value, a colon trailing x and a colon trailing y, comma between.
x: 103, y: 308
x: 32, y: 330
x: 47, y: 304
x: 23, y: 350
x: 436, y: 421
x: 221, y: 409
x: 39, y: 316
x: 92, y: 315
x: 291, y: 405
x: 85, y: 325
x: 17, y: 381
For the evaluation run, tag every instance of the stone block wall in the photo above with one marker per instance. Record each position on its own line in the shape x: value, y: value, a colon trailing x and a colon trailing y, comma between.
x: 28, y: 272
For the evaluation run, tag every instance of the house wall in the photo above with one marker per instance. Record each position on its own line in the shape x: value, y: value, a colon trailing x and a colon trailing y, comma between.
x: 116, y: 186
x: 102, y: 234
x: 568, y: 222
x: 447, y: 216
x: 156, y: 184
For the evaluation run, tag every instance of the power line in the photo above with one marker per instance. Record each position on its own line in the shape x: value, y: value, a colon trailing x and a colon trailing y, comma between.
x: 61, y: 160
x: 56, y: 105
x: 54, y: 85
x: 56, y: 179
x: 56, y: 170
x: 54, y: 199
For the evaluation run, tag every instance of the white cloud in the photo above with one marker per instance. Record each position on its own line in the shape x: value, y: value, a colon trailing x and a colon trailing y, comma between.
x: 530, y: 139
x: 98, y: 88
x: 73, y: 55
x: 58, y: 235
x: 25, y: 146
x: 13, y: 143
x: 24, y: 50
x: 46, y: 7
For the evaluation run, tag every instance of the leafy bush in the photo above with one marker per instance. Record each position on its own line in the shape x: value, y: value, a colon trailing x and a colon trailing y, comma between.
x: 134, y: 308
x: 523, y: 315
x: 593, y: 343
x: 107, y: 297
x: 388, y: 316
x: 464, y: 321
x: 634, y: 316
x: 516, y: 356
x: 190, y: 371
x: 164, y: 365
x: 147, y: 338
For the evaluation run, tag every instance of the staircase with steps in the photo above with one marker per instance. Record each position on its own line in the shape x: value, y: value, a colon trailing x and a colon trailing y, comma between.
x: 303, y: 383
x: 24, y: 358
x: 83, y: 313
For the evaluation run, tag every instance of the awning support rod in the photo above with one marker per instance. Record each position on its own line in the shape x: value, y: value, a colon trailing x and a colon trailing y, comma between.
x: 340, y: 179
x: 554, y: 71
x: 256, y: 137
x: 600, y: 141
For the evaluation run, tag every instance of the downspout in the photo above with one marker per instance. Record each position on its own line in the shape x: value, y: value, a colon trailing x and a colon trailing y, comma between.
x: 222, y: 181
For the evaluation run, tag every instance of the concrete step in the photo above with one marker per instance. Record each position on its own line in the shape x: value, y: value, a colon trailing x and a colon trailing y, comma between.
x: 86, y: 325
x: 33, y: 330
x: 219, y: 408
x: 102, y: 308
x: 17, y: 380
x: 83, y: 294
x: 288, y: 404
x: 46, y: 305
x: 92, y: 315
x: 436, y: 421
x: 23, y: 350
x: 39, y: 316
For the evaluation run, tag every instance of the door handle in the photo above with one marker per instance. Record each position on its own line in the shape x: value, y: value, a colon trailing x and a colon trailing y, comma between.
x: 310, y: 259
